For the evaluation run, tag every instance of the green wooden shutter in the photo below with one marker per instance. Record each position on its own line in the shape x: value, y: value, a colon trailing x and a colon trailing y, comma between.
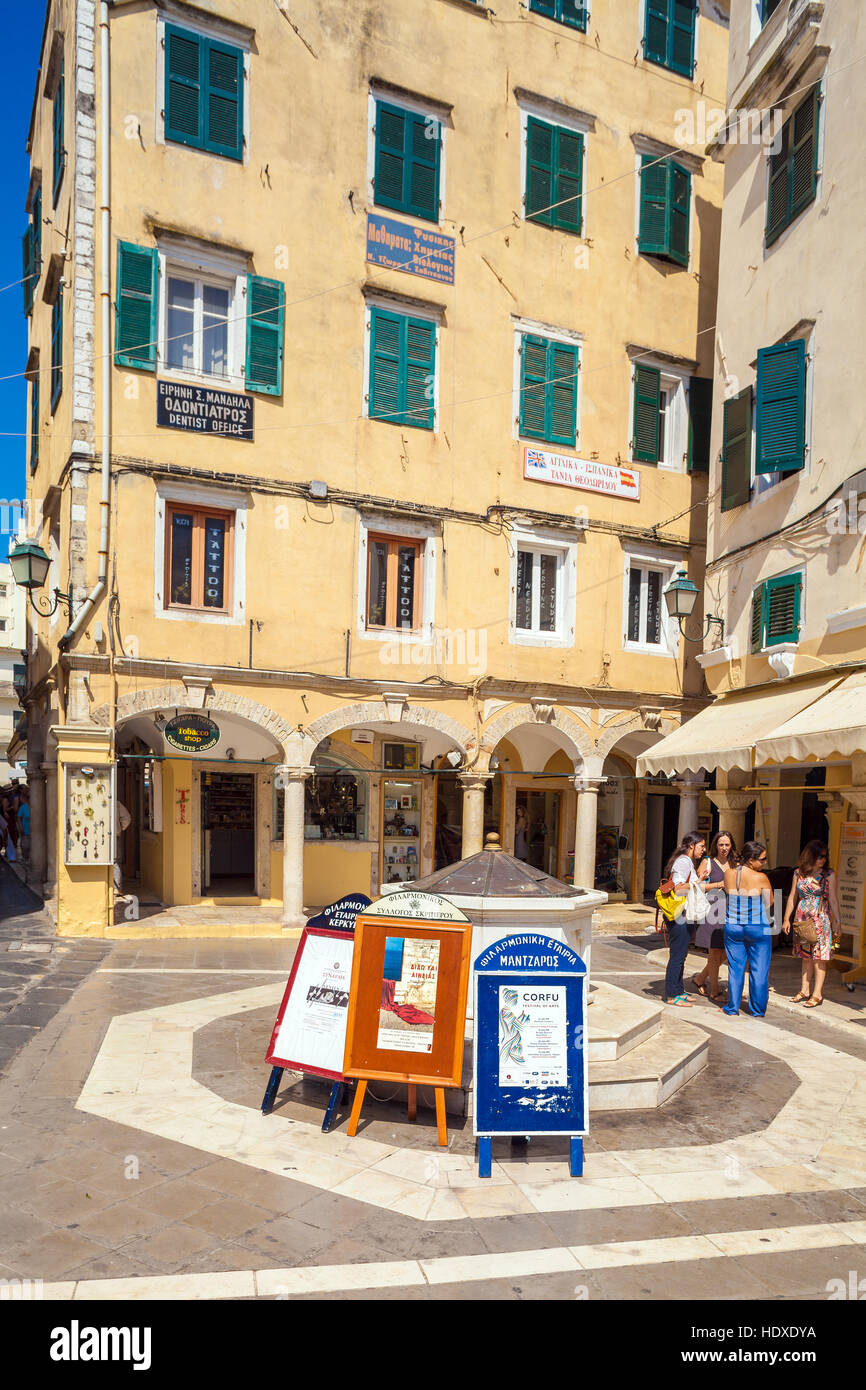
x: 783, y: 609
x: 184, y: 120
x: 57, y: 349
x: 34, y: 420
x: 387, y: 366
x: 27, y: 269
x: 656, y: 31
x: 390, y: 155
x: 533, y: 386
x: 756, y: 626
x: 654, y: 221
x: 574, y: 13
x: 681, y: 36
x: 135, y: 307
x: 568, y: 180
x: 563, y: 362
x: 777, y: 191
x: 265, y: 315
x: 57, y: 126
x: 700, y: 419
x: 545, y: 7
x: 804, y: 153
x: 679, y: 201
x: 420, y: 374
x: 781, y: 409
x: 647, y: 400
x: 737, y: 451
x: 539, y: 170
x: 224, y: 99
x: 422, y: 195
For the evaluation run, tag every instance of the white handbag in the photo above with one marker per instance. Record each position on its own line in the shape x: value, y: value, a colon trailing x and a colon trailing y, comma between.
x: 697, y: 904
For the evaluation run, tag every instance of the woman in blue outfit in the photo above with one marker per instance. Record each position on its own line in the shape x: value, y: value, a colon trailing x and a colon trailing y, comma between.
x: 748, y: 934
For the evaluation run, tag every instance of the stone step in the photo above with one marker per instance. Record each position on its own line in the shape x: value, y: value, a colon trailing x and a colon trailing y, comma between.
x: 619, y: 1021
x: 650, y: 1073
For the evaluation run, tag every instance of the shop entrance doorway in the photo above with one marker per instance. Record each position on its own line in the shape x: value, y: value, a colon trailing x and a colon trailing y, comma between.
x: 536, y: 836
x: 228, y: 840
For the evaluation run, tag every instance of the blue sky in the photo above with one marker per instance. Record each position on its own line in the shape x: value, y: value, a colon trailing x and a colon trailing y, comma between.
x: 21, y: 38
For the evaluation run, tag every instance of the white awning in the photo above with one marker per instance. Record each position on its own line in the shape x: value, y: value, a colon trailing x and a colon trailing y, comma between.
x: 724, y: 735
x: 833, y: 726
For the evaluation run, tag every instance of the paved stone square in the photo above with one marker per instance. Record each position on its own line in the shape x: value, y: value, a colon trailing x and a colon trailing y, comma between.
x: 135, y: 1162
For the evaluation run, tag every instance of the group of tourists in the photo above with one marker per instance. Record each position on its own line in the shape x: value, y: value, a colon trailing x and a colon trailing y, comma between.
x: 15, y: 821
x: 724, y: 901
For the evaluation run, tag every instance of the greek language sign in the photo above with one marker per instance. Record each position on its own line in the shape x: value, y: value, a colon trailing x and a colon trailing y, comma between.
x: 204, y: 410
x: 417, y: 249
x: 191, y: 733
x: 541, y: 466
x: 310, y: 1031
x: 851, y: 875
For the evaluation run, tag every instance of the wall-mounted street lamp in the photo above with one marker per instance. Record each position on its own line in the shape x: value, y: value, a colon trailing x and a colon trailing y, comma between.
x: 680, y: 598
x: 30, y: 566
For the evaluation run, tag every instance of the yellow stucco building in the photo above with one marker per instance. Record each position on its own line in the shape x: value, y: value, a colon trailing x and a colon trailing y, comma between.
x: 371, y: 358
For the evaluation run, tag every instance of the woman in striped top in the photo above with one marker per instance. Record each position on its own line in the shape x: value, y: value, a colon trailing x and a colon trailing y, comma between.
x: 748, y: 934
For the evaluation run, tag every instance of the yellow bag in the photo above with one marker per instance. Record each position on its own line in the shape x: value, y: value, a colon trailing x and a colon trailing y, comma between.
x: 670, y: 904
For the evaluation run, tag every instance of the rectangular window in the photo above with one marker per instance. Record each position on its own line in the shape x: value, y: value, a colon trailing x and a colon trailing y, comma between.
x: 198, y: 549
x: 793, y: 181
x: 548, y: 389
x: 780, y: 416
x: 197, y: 323
x: 204, y: 92
x: 56, y: 348
x: 737, y: 451
x: 665, y: 205
x: 644, y: 625
x: 571, y: 12
x: 59, y: 153
x: 664, y: 431
x: 34, y: 419
x: 776, y: 611
x: 554, y: 175
x: 394, y: 592
x: 408, y: 154
x: 669, y: 35
x: 537, y: 597
x: 768, y: 9
x: 402, y: 369
x: 31, y: 248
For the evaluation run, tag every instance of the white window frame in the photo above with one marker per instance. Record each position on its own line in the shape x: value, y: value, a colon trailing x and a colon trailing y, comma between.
x: 408, y: 308
x: 421, y: 108
x: 213, y: 267
x: 396, y: 529
x: 572, y: 338
x: 210, y: 28
x: 764, y: 650
x: 553, y: 115
x: 667, y: 567
x: 219, y: 500
x: 675, y: 382
x: 542, y: 542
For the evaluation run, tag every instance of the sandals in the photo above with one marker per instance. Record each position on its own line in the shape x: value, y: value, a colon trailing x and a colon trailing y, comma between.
x: 799, y: 997
x: 716, y: 998
x: 813, y: 1003
x: 681, y: 1001
x: 701, y: 989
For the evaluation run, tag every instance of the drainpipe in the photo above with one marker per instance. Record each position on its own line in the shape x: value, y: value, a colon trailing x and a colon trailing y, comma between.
x: 101, y: 584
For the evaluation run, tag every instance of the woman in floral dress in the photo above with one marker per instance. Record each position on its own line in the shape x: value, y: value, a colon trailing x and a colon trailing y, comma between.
x: 813, y: 897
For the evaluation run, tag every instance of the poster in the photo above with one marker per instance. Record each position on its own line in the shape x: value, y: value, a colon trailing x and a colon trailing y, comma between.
x: 310, y: 1031
x: 542, y: 466
x: 851, y: 876
x: 533, y: 1043
x: 89, y: 837
x: 407, y: 1009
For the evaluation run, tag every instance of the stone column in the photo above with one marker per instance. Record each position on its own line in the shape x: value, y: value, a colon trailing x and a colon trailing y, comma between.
x: 294, y: 779
x: 857, y: 802
x: 732, y: 808
x: 36, y: 866
x: 690, y: 788
x: 49, y: 887
x: 585, y: 830
x: 473, y: 784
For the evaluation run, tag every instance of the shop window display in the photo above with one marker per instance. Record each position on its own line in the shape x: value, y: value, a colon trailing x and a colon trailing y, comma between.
x: 335, y: 803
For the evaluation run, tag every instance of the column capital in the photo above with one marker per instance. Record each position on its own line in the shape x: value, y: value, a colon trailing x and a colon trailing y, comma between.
x: 731, y: 801
x: 588, y: 784
x: 289, y: 773
x: 474, y: 781
x: 687, y: 787
x: 858, y: 800
x: 833, y: 800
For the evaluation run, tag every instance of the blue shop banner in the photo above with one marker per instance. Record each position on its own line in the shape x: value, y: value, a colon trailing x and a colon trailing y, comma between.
x: 415, y: 248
